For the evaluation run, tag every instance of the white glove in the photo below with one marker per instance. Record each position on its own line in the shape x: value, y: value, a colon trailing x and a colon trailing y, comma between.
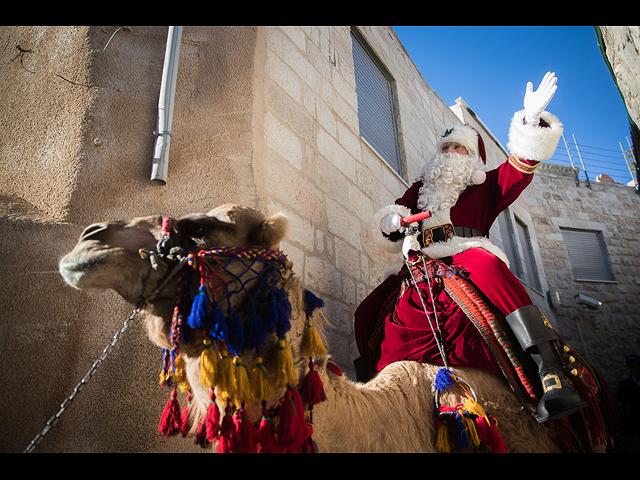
x: 391, y: 223
x: 536, y: 102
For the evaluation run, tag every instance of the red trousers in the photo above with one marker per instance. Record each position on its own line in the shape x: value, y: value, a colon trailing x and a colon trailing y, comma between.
x: 493, y: 278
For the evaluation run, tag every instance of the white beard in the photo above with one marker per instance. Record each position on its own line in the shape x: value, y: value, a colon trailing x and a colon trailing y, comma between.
x: 444, y: 178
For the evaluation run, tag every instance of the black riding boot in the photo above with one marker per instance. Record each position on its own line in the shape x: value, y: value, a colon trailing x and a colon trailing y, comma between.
x: 536, y: 338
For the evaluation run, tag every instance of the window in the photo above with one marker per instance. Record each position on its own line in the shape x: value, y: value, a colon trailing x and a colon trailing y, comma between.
x: 531, y: 276
x: 587, y: 255
x: 375, y: 102
x: 510, y: 244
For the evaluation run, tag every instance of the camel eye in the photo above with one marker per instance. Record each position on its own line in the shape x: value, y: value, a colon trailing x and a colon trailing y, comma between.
x: 194, y: 230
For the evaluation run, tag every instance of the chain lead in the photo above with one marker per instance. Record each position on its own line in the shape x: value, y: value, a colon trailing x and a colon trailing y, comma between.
x: 56, y: 418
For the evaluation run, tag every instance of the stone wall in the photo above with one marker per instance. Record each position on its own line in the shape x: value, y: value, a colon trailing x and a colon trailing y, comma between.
x: 607, y: 335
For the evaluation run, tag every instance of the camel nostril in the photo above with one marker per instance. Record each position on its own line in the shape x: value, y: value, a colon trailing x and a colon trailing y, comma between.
x: 93, y: 230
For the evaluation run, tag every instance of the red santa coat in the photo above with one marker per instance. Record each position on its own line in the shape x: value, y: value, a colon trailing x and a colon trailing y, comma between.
x: 407, y: 334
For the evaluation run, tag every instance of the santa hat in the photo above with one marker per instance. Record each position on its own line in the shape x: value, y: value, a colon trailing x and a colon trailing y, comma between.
x: 470, y: 138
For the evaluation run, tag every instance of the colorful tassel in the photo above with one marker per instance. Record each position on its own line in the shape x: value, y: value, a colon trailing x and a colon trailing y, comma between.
x: 217, y: 322
x: 180, y: 374
x: 261, y: 388
x: 442, y: 439
x: 254, y: 333
x: 235, y: 333
x: 266, y: 433
x: 199, y: 309
x: 312, y: 344
x: 444, y: 379
x: 170, y: 421
x: 184, y: 419
x: 208, y: 365
x: 212, y: 418
x: 242, y: 383
x: 312, y: 388
x: 290, y: 429
x: 285, y: 373
x: 283, y: 309
x: 245, y: 433
x: 226, y: 440
x: 225, y: 378
x: 496, y: 442
x: 460, y: 432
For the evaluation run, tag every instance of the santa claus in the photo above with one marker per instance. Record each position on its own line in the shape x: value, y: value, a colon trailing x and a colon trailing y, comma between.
x: 464, y: 202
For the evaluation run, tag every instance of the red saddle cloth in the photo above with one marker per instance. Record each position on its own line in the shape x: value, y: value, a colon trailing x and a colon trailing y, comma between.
x: 471, y: 330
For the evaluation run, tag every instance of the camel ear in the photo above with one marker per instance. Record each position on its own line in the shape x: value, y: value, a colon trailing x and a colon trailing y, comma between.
x: 272, y: 230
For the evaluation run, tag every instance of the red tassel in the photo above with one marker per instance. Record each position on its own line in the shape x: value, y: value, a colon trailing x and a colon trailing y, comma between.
x: 483, y: 430
x: 170, y: 421
x: 185, y: 416
x: 266, y: 434
x: 496, y: 443
x: 312, y: 387
x: 290, y: 429
x: 213, y: 418
x: 245, y: 433
x: 201, y: 434
x: 226, y: 441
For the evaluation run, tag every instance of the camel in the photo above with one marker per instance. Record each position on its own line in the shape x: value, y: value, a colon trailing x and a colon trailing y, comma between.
x: 393, y: 412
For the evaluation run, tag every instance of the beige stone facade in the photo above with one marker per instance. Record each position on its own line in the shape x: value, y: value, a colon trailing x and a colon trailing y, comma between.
x: 264, y: 116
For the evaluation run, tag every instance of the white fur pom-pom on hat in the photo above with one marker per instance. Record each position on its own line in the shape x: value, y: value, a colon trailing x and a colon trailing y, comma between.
x: 478, y: 177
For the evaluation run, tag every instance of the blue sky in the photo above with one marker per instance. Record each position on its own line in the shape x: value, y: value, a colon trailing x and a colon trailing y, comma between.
x: 489, y: 67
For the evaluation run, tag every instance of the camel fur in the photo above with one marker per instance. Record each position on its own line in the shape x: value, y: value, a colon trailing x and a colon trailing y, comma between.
x: 394, y: 412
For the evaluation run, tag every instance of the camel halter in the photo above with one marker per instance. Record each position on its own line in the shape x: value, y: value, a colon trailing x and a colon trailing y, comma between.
x: 260, y: 276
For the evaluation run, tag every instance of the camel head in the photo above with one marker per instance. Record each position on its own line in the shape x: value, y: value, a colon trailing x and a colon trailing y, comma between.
x: 111, y: 255
x: 214, y: 288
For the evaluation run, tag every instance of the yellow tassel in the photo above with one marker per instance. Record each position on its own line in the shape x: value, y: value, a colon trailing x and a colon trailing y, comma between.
x: 180, y: 375
x: 208, y: 365
x: 243, y: 385
x: 285, y: 372
x: 260, y: 386
x: 225, y: 377
x: 472, y: 433
x: 312, y: 345
x: 442, y: 440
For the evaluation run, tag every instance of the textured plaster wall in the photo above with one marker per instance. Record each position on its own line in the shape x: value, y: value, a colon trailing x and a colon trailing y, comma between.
x: 78, y: 150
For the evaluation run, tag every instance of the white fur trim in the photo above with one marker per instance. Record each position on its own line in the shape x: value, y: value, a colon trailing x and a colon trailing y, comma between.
x: 533, y: 142
x: 462, y: 134
x: 460, y: 244
x: 382, y: 241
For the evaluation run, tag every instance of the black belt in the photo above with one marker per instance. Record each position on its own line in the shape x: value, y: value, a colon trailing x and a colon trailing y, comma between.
x: 446, y: 232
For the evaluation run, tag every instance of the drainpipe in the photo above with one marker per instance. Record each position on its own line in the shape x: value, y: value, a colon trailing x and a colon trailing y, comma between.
x: 165, y: 107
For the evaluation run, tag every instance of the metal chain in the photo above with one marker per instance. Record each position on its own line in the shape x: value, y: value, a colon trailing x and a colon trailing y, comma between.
x: 56, y: 418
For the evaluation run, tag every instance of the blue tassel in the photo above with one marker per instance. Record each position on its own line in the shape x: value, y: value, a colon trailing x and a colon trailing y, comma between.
x: 311, y: 303
x: 283, y: 308
x: 254, y: 333
x: 218, y: 325
x: 444, y: 379
x: 199, y: 309
x: 461, y: 438
x: 235, y: 335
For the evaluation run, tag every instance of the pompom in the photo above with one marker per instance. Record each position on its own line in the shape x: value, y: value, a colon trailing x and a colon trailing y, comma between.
x: 444, y: 379
x: 478, y: 177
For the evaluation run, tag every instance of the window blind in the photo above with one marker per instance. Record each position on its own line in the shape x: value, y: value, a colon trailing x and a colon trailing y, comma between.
x: 375, y: 105
x: 587, y: 255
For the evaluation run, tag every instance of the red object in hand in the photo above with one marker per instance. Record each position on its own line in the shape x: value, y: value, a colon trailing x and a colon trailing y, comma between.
x: 415, y: 218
